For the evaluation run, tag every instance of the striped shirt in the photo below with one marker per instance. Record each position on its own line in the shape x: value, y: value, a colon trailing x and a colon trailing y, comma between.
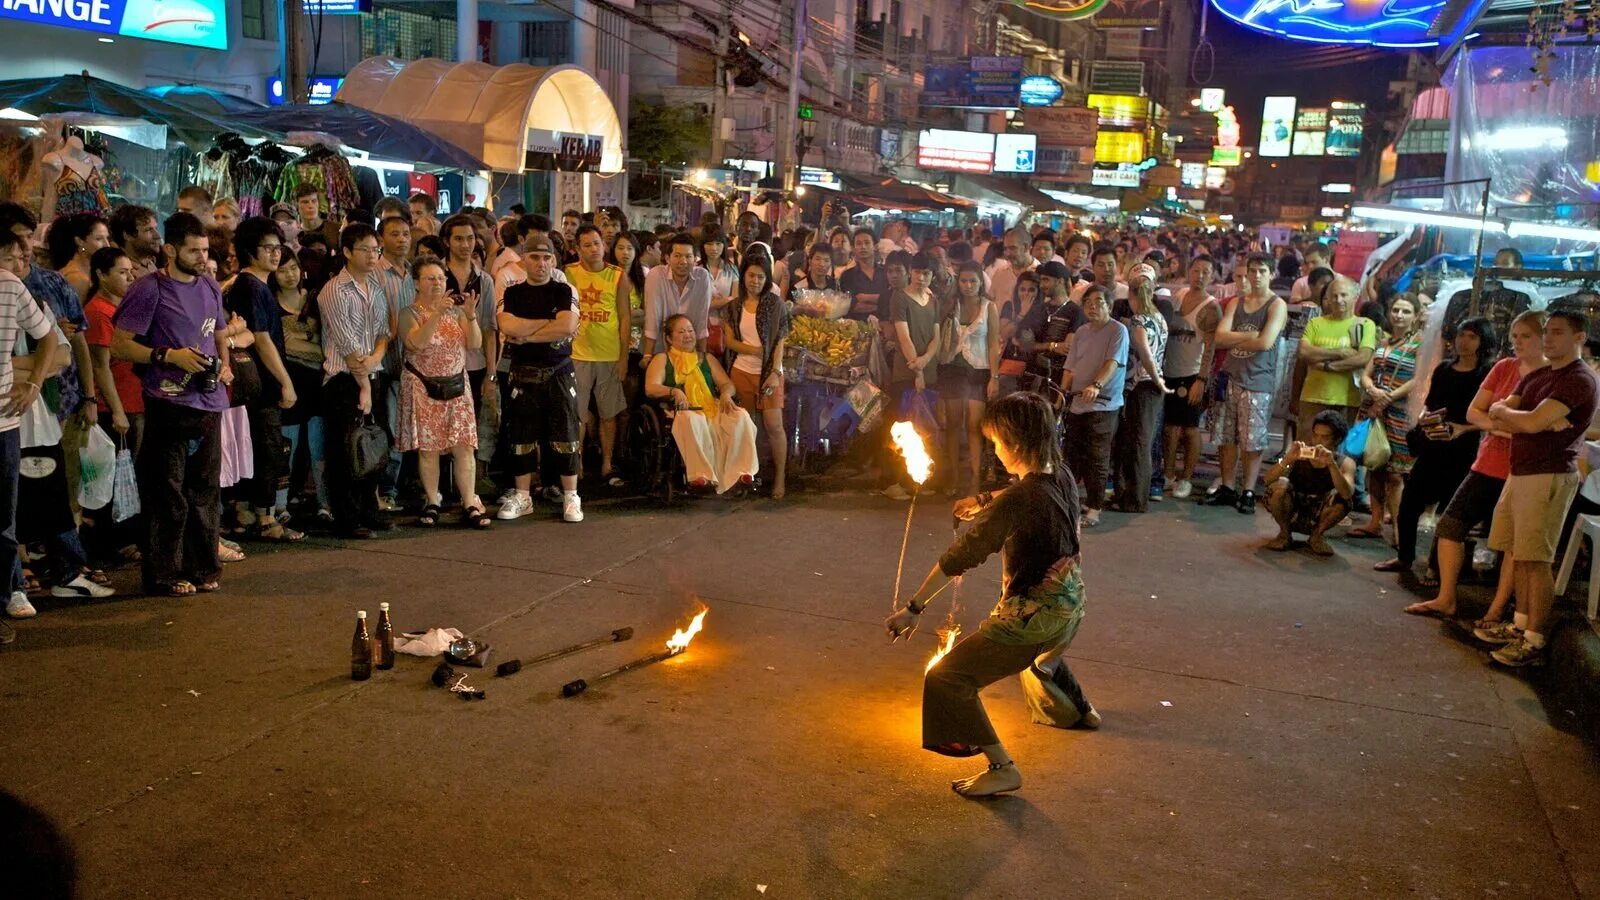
x: 355, y: 316
x: 401, y: 292
x: 18, y: 314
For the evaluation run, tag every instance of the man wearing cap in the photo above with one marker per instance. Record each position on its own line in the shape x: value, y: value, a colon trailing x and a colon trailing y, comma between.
x: 1045, y: 333
x: 538, y: 319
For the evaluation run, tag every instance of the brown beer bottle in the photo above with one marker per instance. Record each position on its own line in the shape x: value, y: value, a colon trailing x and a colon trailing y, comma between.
x: 385, y: 638
x: 361, y: 650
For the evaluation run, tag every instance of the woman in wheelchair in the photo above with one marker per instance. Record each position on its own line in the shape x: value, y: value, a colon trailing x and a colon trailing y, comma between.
x: 714, y: 435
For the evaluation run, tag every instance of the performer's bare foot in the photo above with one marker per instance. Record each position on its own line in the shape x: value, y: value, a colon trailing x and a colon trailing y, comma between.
x: 999, y: 778
x: 1279, y: 543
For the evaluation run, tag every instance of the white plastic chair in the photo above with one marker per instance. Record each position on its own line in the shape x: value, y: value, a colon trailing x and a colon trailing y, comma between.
x: 1584, y: 527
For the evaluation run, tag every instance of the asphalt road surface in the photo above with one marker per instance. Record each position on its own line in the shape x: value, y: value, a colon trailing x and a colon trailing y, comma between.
x: 1274, y: 727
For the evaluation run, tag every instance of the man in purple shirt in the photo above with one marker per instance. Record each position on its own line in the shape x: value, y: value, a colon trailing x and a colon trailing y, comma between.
x: 1546, y: 417
x: 171, y: 323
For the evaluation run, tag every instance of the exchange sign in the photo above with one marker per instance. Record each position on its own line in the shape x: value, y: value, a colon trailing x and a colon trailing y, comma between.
x: 195, y: 23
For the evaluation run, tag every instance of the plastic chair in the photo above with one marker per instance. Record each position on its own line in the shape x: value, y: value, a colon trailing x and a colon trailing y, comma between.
x: 1584, y: 527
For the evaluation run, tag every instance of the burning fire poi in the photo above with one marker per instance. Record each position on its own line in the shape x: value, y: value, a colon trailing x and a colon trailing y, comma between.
x: 680, y: 639
x: 947, y: 640
x: 919, y: 465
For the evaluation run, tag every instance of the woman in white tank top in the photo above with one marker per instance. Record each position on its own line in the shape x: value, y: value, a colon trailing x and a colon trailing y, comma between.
x: 969, y: 375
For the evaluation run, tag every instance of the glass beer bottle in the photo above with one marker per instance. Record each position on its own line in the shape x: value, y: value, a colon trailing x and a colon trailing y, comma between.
x: 385, y: 638
x: 361, y: 650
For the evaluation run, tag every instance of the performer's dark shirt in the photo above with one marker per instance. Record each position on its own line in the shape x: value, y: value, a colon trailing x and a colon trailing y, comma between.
x: 1034, y: 523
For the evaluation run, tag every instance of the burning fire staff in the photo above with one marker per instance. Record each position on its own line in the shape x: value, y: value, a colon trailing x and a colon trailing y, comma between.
x: 1034, y: 524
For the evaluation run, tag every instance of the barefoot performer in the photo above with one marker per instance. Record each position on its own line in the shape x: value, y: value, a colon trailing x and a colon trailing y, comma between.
x: 1034, y: 525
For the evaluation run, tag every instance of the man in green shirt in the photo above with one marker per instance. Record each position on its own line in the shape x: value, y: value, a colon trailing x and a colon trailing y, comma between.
x: 1336, y: 346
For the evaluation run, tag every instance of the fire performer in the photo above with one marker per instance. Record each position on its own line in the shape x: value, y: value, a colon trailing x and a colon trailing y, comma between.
x: 1034, y: 524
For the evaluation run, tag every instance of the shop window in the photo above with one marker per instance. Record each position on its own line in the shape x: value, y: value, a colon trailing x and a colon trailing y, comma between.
x: 546, y: 43
x: 258, y: 20
x: 408, y: 35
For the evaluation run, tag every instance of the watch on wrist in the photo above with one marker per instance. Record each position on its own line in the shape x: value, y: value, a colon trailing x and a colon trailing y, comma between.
x: 159, y: 356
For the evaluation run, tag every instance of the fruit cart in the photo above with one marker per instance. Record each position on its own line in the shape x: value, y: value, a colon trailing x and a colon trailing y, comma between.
x: 827, y: 375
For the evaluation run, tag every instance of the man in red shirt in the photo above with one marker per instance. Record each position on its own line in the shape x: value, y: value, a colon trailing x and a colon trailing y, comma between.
x: 1546, y: 417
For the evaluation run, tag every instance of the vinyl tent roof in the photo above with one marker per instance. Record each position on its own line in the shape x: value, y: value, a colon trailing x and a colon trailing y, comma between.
x: 487, y: 110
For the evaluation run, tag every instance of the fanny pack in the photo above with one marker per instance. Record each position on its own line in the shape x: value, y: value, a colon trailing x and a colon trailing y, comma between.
x: 441, y: 387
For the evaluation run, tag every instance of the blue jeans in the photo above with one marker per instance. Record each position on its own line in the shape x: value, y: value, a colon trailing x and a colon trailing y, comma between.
x: 389, y: 478
x: 10, y: 467
x: 314, y: 447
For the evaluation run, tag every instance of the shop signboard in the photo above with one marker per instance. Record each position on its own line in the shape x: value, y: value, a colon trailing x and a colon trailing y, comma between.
x: 1346, y: 124
x: 1063, y: 126
x: 1121, y: 110
x: 1330, y: 22
x: 1309, y: 143
x: 1164, y: 176
x: 1015, y: 153
x: 955, y: 151
x: 1040, y: 90
x: 1297, y: 212
x: 1215, y: 176
x: 1123, y: 43
x: 889, y: 144
x: 1073, y: 165
x: 1117, y: 178
x: 820, y: 177
x: 320, y: 89
x: 1065, y: 10
x: 979, y: 82
x: 1112, y: 77
x: 563, y: 151
x: 1211, y: 99
x: 1277, y: 126
x: 1227, y: 156
x: 1129, y: 14
x: 336, y: 7
x: 193, y: 23
x: 1193, y: 174
x: 1119, y: 147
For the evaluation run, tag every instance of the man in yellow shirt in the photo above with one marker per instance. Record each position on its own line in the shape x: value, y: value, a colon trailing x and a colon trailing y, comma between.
x: 1335, y: 347
x: 597, y: 348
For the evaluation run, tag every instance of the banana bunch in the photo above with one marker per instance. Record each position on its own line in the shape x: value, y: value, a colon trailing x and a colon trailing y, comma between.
x: 836, y: 342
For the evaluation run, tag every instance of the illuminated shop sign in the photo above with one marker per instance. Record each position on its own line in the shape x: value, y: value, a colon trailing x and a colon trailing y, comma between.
x: 1015, y: 152
x: 1121, y: 110
x: 1040, y: 90
x: 957, y: 151
x: 1277, y: 126
x: 1346, y: 123
x: 1400, y: 23
x: 1119, y: 147
x: 195, y: 23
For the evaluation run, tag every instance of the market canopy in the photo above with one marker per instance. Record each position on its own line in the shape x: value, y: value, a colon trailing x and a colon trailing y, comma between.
x: 363, y: 129
x: 1015, y: 191
x: 512, y: 117
x: 893, y: 193
x: 85, y: 94
x: 206, y: 100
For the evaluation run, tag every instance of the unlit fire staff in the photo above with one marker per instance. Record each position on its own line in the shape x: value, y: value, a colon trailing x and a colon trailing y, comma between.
x: 1034, y: 525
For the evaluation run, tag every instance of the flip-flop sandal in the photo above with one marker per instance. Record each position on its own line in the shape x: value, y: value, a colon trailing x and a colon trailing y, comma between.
x: 1426, y: 612
x: 430, y: 516
x: 1428, y: 579
x: 98, y: 576
x: 173, y: 589
x: 1485, y: 623
x: 279, y: 534
x: 1362, y: 533
x: 208, y: 587
x: 131, y: 554
x: 1390, y: 565
x: 229, y: 555
x: 614, y: 480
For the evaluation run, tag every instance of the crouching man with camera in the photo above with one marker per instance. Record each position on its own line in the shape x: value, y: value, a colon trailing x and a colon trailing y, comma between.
x: 168, y: 326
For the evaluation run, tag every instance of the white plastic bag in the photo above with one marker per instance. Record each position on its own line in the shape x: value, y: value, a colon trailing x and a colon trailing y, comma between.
x: 432, y: 642
x: 124, y: 489
x: 97, y: 463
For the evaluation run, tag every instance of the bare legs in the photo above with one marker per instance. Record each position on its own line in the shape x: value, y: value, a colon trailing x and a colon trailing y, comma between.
x: 778, y: 443
x: 464, y: 468
x: 1452, y: 555
x: 963, y: 417
x: 1001, y: 777
x: 1190, y: 438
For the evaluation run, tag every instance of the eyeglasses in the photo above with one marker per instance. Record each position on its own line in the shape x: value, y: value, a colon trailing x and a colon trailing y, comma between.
x: 270, y: 248
x: 364, y: 249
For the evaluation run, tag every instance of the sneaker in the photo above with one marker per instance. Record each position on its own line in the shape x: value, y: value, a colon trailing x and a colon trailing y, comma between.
x: 18, y: 606
x: 1091, y: 518
x: 1221, y: 495
x: 515, y: 507
x: 552, y: 494
x: 80, y: 588
x: 1501, y: 634
x: 1182, y: 489
x: 506, y: 497
x: 1157, y: 495
x: 896, y: 492
x: 571, y: 508
x: 1518, y: 654
x: 1247, y: 503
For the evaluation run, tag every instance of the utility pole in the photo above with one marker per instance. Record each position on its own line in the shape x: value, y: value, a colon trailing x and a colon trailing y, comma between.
x: 719, y: 89
x: 789, y: 116
x: 293, y: 28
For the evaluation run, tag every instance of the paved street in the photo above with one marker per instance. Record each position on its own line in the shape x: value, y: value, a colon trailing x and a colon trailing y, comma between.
x: 1273, y: 726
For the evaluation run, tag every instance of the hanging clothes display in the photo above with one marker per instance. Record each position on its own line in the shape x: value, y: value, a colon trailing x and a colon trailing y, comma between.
x: 233, y: 168
x: 332, y: 176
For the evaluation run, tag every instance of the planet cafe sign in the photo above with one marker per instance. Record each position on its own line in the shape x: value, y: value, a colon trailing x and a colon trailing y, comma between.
x: 1040, y: 90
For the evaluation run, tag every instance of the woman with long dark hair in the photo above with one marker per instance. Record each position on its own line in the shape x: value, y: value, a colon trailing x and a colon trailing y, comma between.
x: 72, y: 241
x: 1445, y: 443
x: 754, y: 329
x: 1034, y: 523
x: 969, y: 374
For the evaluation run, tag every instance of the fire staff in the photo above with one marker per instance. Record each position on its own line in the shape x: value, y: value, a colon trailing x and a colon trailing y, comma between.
x: 1034, y: 525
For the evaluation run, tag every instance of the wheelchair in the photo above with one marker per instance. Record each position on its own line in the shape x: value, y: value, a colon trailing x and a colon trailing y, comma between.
x: 652, y: 464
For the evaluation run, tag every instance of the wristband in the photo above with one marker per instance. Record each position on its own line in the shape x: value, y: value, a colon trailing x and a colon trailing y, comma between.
x: 985, y: 498
x: 159, y: 356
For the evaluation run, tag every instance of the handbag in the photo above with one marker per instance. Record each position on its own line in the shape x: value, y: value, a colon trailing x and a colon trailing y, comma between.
x: 246, y: 387
x: 440, y: 387
x: 1376, y: 452
x: 1355, y: 442
x: 369, y: 448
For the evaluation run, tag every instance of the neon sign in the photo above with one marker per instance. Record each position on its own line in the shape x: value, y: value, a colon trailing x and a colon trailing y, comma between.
x: 1382, y: 23
x: 1065, y: 10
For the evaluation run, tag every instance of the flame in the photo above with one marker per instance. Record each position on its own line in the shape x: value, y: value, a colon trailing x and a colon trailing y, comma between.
x: 680, y: 639
x: 947, y: 640
x: 918, y: 463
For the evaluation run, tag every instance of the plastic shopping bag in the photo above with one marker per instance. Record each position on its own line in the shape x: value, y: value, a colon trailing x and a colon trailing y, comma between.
x: 124, y: 489
x: 1355, y: 442
x: 96, y: 464
x: 1375, y: 454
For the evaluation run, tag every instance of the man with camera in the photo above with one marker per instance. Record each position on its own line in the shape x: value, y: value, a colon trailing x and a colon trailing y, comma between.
x: 1309, y: 489
x: 168, y: 325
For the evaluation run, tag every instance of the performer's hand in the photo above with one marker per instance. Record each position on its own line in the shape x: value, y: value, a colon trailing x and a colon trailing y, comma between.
x: 966, y: 509
x: 902, y: 624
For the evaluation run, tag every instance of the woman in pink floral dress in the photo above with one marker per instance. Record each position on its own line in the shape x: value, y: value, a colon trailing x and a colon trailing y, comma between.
x: 436, y: 414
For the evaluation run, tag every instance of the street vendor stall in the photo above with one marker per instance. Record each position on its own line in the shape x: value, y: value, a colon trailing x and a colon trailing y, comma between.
x: 833, y: 368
